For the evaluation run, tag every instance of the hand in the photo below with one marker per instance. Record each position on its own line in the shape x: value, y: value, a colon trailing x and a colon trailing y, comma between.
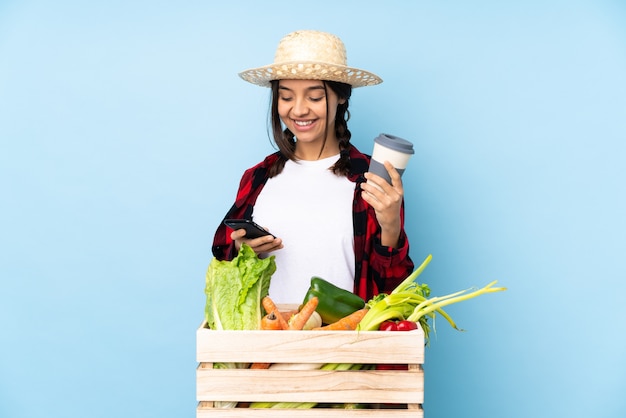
x: 386, y: 199
x: 259, y: 245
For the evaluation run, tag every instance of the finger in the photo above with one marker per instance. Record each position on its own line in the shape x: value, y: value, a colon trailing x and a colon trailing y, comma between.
x: 375, y: 183
x: 371, y: 198
x: 396, y: 179
x: 257, y: 242
x: 237, y: 234
x: 370, y: 192
x: 271, y: 247
x: 267, y: 246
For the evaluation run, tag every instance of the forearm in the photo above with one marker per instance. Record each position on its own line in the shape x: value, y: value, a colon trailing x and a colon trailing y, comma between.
x: 390, y: 235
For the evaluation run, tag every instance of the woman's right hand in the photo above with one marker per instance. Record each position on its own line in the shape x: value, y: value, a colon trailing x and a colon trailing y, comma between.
x: 259, y: 245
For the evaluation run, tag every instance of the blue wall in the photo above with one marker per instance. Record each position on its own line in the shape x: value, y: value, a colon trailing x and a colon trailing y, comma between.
x: 124, y: 130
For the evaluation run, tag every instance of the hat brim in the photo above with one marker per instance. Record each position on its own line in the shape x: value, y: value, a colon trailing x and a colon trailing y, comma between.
x: 355, y: 77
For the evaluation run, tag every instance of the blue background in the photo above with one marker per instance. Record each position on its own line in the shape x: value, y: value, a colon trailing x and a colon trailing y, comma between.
x: 124, y: 130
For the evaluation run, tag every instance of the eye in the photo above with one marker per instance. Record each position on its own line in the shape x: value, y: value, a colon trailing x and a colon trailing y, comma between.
x: 285, y: 98
x: 317, y: 99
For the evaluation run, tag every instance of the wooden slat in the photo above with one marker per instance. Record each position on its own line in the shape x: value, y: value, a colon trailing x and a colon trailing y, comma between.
x: 309, y: 413
x: 370, y: 386
x: 368, y: 347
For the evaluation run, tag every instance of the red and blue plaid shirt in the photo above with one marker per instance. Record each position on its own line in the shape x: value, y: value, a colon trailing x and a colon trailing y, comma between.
x: 378, y: 269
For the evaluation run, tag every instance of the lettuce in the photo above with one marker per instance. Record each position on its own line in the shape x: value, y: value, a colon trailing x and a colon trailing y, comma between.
x: 234, y: 290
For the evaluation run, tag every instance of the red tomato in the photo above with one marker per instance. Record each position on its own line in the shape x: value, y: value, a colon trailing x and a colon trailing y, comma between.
x: 394, y: 326
x: 392, y: 367
x: 406, y: 326
x: 388, y: 326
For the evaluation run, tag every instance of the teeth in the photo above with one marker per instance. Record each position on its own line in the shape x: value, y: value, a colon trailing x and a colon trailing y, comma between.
x: 303, y: 122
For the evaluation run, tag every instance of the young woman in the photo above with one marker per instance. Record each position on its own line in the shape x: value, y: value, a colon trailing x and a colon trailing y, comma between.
x: 328, y: 216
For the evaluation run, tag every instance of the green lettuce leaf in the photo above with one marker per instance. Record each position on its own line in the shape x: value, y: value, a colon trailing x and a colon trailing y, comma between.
x: 234, y: 290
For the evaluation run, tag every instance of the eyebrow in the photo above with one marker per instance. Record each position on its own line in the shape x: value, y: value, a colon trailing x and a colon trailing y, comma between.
x: 316, y: 87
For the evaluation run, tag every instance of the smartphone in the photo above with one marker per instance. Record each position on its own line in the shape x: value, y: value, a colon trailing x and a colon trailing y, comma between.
x: 252, y: 229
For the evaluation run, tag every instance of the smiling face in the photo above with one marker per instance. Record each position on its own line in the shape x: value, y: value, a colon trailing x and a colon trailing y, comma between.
x: 308, y: 110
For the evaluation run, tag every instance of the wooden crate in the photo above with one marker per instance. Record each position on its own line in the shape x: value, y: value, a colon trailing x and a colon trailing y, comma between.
x: 386, y: 393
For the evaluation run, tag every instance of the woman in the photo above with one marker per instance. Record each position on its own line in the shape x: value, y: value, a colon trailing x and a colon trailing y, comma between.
x: 328, y: 216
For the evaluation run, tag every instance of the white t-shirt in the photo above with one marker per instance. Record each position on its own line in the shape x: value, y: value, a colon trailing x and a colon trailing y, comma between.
x: 310, y: 209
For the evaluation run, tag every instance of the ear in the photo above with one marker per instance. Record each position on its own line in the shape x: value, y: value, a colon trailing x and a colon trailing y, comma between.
x: 341, y: 101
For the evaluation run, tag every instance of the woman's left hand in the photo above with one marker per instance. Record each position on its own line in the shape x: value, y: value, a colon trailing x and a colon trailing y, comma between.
x: 386, y: 199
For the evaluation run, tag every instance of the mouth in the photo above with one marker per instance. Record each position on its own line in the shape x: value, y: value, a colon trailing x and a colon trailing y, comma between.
x: 302, y: 123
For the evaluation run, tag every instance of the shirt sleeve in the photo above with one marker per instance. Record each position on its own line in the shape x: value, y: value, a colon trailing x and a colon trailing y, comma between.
x: 250, y: 185
x: 223, y: 246
x: 379, y: 269
x: 390, y: 266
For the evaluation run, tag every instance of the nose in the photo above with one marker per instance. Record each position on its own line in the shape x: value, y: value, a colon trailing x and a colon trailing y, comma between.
x: 300, y: 107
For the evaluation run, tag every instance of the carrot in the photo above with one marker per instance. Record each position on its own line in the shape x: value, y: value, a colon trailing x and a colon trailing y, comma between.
x: 260, y: 366
x: 347, y: 323
x: 270, y: 306
x: 299, y: 320
x: 270, y: 321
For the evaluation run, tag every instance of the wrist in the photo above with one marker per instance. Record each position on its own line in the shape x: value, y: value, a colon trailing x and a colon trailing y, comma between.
x: 389, y: 237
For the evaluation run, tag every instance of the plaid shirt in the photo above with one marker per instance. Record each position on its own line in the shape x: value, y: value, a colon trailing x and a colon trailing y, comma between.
x: 378, y: 269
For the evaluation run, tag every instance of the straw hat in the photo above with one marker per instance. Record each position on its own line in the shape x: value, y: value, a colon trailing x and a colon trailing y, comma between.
x: 310, y: 55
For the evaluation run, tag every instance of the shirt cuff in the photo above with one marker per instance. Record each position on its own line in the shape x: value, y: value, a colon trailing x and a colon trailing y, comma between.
x: 390, y: 256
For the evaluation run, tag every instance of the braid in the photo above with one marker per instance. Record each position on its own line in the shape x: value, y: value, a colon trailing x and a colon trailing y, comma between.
x: 343, y: 134
x: 342, y: 166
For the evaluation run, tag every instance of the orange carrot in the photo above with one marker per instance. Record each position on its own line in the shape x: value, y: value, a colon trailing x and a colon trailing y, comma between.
x: 268, y: 322
x: 347, y: 323
x: 260, y: 366
x: 271, y: 322
x: 270, y: 306
x: 299, y: 320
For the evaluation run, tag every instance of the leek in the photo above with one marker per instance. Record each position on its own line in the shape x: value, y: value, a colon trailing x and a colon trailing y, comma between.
x: 410, y: 301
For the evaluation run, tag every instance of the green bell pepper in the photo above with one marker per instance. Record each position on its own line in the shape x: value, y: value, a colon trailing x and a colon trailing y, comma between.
x: 334, y: 302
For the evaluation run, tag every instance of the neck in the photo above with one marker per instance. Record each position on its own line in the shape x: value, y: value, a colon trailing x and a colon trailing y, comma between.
x: 311, y: 152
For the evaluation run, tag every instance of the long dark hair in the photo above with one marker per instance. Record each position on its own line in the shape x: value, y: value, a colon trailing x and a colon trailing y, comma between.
x: 284, y: 138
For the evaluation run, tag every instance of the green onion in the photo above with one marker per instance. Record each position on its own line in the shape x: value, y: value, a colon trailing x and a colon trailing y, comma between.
x: 410, y: 301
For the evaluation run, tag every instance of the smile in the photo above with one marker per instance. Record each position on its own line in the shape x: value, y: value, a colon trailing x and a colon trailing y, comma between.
x: 303, y: 122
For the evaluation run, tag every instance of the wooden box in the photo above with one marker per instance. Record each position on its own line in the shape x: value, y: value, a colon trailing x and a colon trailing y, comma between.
x: 384, y: 393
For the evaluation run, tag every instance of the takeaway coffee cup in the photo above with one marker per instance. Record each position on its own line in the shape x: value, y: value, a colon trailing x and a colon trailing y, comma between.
x: 390, y: 148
